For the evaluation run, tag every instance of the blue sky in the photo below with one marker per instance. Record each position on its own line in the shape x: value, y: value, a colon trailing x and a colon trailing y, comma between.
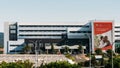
x: 58, y: 11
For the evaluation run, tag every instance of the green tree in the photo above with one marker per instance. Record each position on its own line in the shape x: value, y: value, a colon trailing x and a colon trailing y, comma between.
x: 26, y: 49
x: 116, y: 63
x: 109, y: 53
x: 52, y: 49
x: 93, y: 61
x: 118, y: 50
x: 80, y: 48
x: 66, y: 49
x: 98, y: 51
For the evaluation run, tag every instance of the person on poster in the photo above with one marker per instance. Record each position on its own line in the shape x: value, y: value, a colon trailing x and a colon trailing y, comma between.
x: 104, y: 43
x: 107, y: 43
x: 101, y: 42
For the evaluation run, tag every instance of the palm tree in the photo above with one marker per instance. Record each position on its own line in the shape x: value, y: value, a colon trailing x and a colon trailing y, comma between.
x: 80, y: 49
x: 66, y: 49
x: 52, y: 49
x: 109, y: 53
x: 26, y: 49
x: 118, y: 50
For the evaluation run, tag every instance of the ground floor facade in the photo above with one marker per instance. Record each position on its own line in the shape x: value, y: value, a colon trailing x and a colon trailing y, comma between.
x: 45, y: 46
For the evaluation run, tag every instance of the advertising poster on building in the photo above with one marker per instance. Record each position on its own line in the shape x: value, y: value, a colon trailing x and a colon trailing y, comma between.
x: 103, y: 35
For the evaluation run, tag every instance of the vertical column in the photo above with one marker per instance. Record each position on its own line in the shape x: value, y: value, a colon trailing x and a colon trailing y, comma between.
x: 6, y: 37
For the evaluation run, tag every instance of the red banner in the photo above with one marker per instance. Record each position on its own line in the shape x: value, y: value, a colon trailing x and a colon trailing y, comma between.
x: 102, y: 35
x: 102, y: 27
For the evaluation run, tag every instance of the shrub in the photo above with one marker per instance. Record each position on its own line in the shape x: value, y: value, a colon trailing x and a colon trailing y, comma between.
x: 17, y: 64
x: 70, y: 57
x: 61, y: 64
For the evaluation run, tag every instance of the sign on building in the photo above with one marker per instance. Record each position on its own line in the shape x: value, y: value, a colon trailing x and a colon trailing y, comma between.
x: 102, y: 34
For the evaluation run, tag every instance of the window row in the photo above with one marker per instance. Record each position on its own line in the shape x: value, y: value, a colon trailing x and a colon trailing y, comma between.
x: 117, y: 26
x: 42, y: 30
x: 12, y: 26
x: 13, y: 31
x: 80, y: 31
x: 53, y: 26
x: 40, y: 35
x: 117, y: 35
x: 117, y: 31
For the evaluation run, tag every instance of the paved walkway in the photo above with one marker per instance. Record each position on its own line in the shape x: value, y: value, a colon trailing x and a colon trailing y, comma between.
x: 46, y: 58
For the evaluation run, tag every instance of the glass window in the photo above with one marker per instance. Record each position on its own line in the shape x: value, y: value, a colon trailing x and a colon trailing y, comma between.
x: 12, y: 27
x: 12, y: 31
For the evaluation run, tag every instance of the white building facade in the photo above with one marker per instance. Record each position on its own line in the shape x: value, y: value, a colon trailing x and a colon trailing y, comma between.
x: 17, y: 35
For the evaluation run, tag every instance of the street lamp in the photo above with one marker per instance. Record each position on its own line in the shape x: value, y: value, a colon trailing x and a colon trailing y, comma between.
x: 112, y: 54
x: 36, y: 53
x: 89, y: 37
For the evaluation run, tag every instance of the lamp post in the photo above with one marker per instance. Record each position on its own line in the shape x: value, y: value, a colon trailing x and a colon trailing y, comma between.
x: 36, y: 53
x: 112, y: 59
x: 89, y: 47
x: 112, y: 54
